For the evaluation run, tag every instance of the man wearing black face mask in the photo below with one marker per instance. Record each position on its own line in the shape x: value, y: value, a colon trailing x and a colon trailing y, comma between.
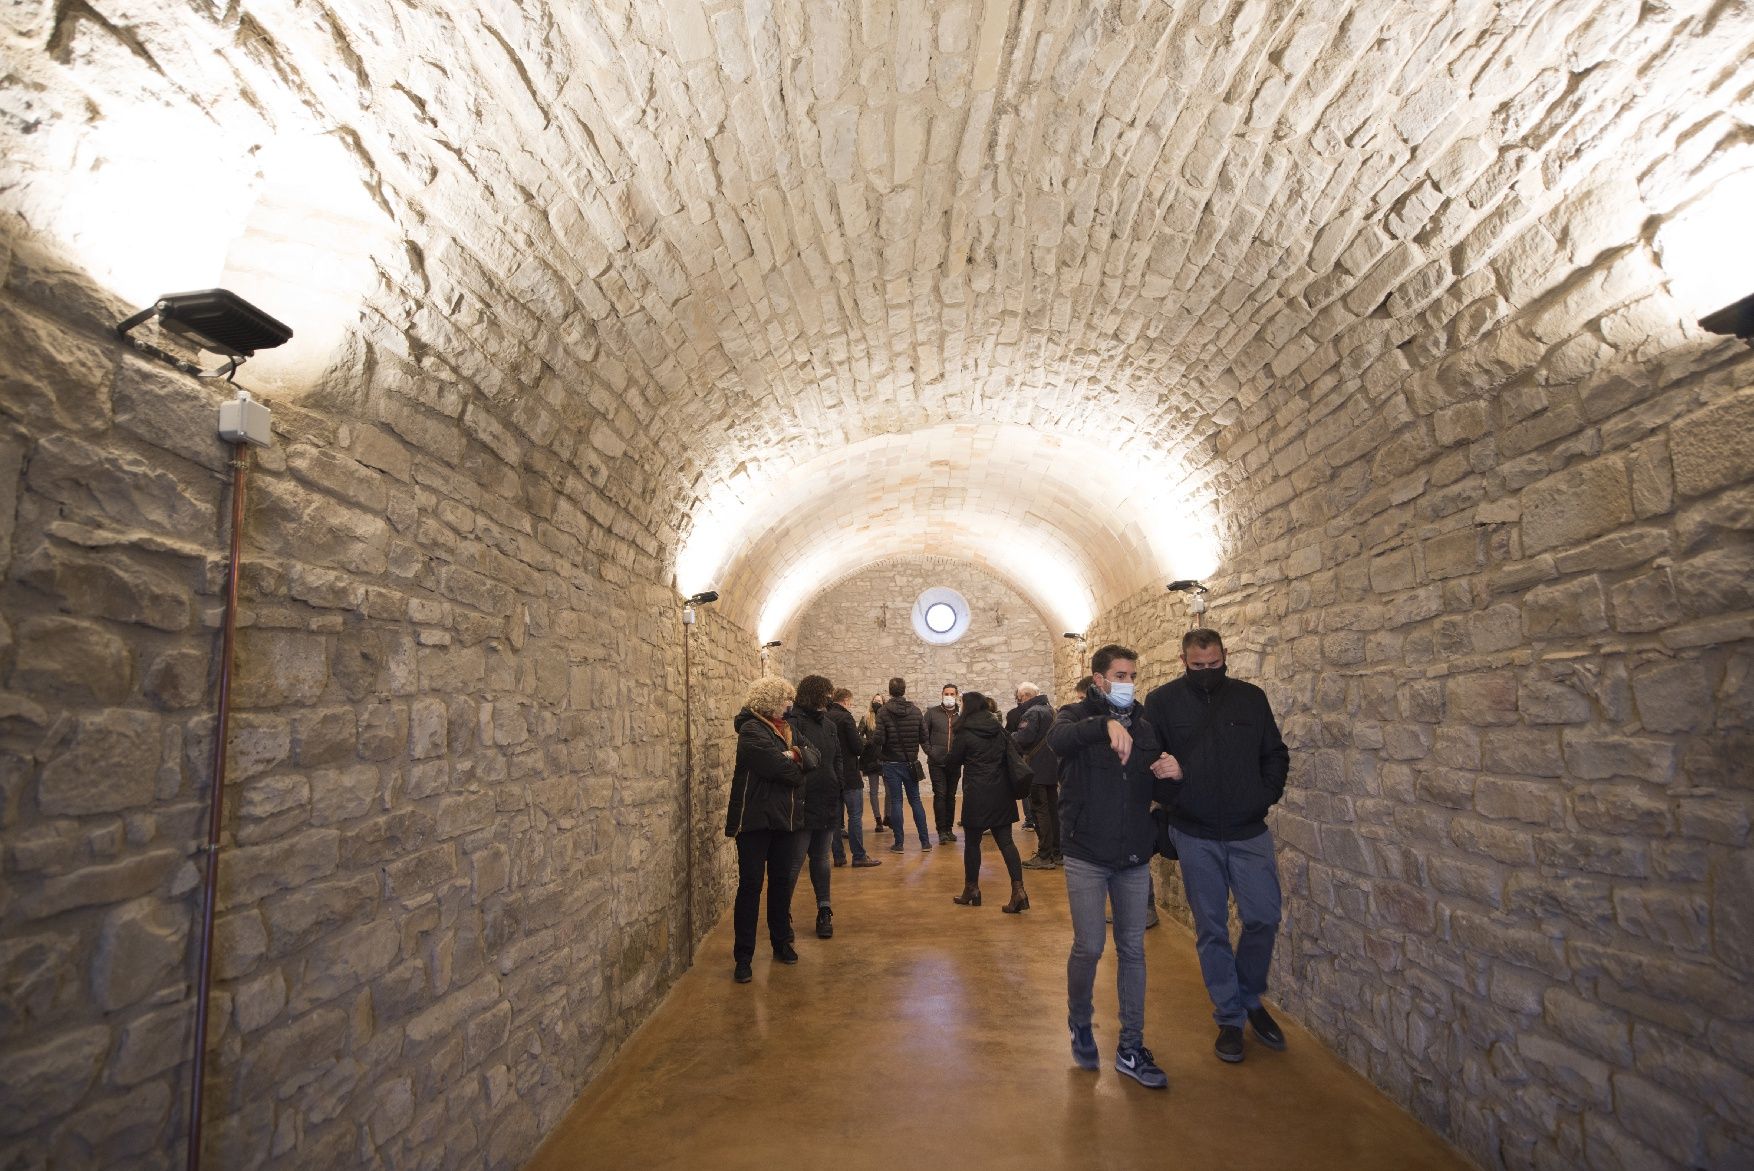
x: 1222, y: 768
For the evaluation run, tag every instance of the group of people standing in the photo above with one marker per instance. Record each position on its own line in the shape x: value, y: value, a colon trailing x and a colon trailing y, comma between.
x: 1189, y: 773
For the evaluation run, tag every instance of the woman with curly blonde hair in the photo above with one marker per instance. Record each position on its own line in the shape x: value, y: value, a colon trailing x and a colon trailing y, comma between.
x: 766, y: 817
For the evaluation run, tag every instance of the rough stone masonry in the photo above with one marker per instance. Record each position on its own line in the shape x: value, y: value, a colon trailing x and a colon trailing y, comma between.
x: 1384, y: 286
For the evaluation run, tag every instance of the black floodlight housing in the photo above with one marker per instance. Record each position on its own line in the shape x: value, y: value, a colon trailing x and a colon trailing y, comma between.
x: 1071, y: 634
x: 1186, y: 585
x: 217, y: 320
x: 702, y: 598
x: 768, y: 646
x: 1737, y: 320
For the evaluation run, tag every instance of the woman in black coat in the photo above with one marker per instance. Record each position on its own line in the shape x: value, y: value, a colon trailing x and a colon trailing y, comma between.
x: 822, y: 780
x: 977, y: 754
x: 766, y: 816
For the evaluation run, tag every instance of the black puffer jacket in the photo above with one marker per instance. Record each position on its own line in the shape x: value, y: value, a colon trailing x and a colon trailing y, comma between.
x: 1234, y: 762
x: 852, y: 746
x: 901, y: 730
x: 767, y: 786
x: 1045, y: 763
x: 821, y: 783
x: 977, y: 754
x: 1034, y: 718
x: 1105, y: 807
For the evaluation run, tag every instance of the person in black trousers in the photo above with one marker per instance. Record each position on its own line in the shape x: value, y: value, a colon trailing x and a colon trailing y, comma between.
x: 977, y: 755
x: 766, y: 817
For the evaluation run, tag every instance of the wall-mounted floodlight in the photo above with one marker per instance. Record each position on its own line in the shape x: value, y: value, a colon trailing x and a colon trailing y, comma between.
x: 217, y: 320
x: 1073, y: 634
x: 703, y: 598
x: 768, y: 646
x: 1197, y: 590
x: 1736, y: 320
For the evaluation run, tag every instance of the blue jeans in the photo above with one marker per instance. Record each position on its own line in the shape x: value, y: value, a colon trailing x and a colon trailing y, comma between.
x: 1088, y: 888
x: 898, y: 777
x: 852, y: 819
x: 1212, y: 872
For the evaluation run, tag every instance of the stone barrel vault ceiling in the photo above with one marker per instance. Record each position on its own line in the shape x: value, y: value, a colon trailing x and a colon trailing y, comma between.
x: 827, y: 282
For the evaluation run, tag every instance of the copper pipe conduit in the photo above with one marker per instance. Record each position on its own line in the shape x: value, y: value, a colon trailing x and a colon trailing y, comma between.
x: 688, y: 789
x: 216, y: 802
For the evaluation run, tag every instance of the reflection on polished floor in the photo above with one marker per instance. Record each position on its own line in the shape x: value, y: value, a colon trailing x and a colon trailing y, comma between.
x: 929, y: 1034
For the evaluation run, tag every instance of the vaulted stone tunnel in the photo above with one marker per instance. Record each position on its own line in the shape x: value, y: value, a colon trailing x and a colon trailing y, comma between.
x: 1378, y: 317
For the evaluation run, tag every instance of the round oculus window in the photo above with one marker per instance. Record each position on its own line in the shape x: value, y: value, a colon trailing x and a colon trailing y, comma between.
x: 940, y: 616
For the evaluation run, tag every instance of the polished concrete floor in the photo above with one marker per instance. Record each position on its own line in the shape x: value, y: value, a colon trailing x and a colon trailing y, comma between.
x: 929, y: 1034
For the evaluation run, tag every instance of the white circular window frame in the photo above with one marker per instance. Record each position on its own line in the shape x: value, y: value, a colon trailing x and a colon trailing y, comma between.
x: 941, y: 596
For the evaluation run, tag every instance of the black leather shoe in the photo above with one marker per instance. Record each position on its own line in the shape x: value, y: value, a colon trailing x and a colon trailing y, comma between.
x: 1228, y: 1046
x: 744, y: 973
x: 1266, y: 1029
x: 824, y: 923
x: 785, y: 953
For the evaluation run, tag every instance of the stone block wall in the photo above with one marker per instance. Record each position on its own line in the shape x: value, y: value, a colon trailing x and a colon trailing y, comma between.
x: 859, y: 632
x: 1508, y: 629
x: 452, y: 873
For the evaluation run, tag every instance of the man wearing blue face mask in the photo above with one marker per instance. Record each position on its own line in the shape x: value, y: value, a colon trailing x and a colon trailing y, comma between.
x: 1105, y: 747
x: 1223, y: 767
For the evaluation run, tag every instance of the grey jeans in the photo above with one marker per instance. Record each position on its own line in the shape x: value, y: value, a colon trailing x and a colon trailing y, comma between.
x: 1088, y: 888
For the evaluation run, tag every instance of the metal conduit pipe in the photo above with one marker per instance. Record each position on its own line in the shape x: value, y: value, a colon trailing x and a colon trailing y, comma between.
x: 216, y: 803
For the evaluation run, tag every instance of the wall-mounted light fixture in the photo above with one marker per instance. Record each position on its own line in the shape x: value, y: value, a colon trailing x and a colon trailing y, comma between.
x: 1196, y: 592
x: 1736, y: 320
x: 768, y: 648
x: 217, y: 320
x: 693, y: 600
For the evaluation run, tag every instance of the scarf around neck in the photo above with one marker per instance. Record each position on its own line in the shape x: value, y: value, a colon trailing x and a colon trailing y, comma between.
x: 783, y: 729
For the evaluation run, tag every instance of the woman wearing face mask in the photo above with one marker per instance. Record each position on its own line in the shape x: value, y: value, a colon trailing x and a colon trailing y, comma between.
x: 977, y: 754
x: 766, y: 817
x: 939, y: 722
x: 869, y: 762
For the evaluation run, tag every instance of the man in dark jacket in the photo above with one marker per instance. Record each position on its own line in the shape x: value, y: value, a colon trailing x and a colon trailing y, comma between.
x: 1223, y: 767
x: 940, y: 721
x: 1105, y: 747
x: 852, y: 783
x: 1033, y: 717
x: 901, y: 731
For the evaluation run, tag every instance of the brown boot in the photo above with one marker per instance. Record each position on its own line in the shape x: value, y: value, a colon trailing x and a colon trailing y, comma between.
x: 970, y: 897
x: 1019, y: 899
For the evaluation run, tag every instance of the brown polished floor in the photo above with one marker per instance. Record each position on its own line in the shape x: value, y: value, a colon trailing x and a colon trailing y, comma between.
x: 928, y: 1034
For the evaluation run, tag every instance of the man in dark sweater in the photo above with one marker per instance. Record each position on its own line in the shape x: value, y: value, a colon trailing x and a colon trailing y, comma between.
x: 1105, y: 746
x: 1223, y: 766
